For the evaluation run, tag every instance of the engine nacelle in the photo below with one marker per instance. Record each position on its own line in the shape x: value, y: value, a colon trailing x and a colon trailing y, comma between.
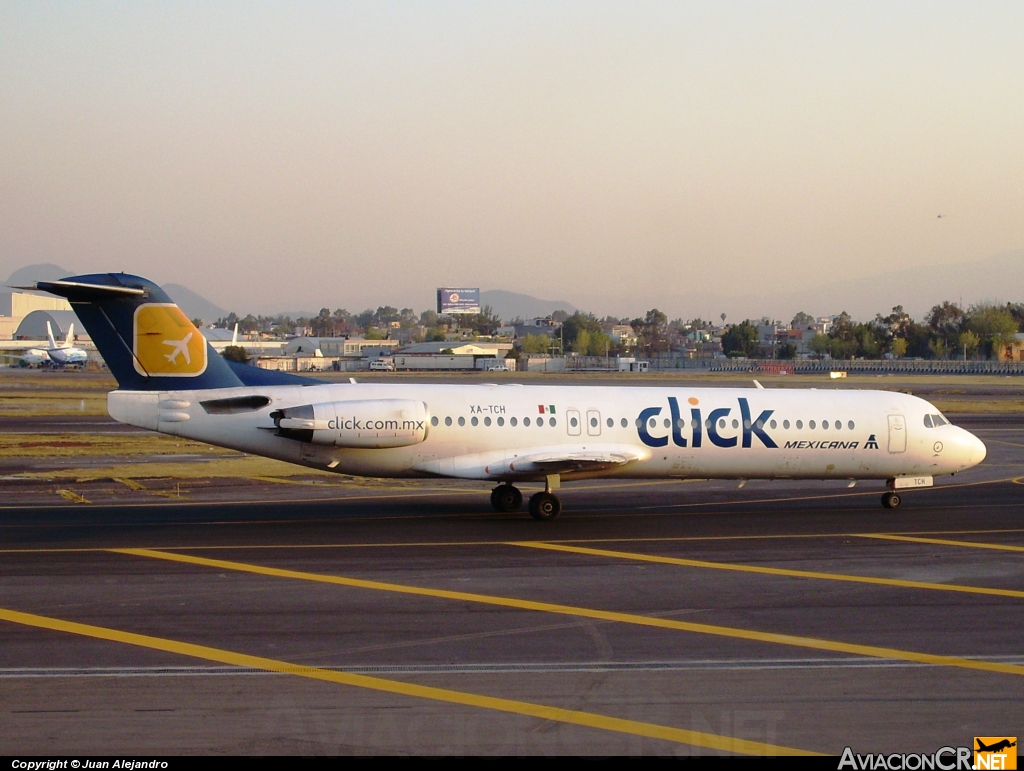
x: 370, y: 423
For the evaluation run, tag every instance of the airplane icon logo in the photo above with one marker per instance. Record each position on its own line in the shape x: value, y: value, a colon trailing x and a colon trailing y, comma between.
x: 166, y: 343
x: 180, y: 346
x: 995, y: 753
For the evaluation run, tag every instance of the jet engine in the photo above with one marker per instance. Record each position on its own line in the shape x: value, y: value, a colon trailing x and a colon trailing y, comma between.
x: 370, y: 423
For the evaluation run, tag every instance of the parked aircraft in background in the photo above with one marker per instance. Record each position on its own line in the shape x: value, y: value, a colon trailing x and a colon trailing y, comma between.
x: 508, y: 434
x: 54, y: 354
x: 63, y: 354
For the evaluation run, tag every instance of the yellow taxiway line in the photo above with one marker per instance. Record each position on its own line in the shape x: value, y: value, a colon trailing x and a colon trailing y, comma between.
x: 942, y: 542
x: 600, y: 615
x: 635, y: 557
x: 907, y: 536
x: 540, y: 711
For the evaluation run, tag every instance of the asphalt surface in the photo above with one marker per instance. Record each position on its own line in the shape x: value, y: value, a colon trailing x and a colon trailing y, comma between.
x: 389, y: 618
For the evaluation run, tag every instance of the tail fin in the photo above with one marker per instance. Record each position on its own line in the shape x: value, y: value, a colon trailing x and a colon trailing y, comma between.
x: 49, y: 335
x: 234, y: 335
x: 70, y: 339
x: 146, y: 340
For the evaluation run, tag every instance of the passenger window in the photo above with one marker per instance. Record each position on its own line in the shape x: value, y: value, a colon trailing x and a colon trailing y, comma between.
x: 573, y: 422
x: 785, y: 424
x: 462, y: 421
x: 526, y: 422
x: 773, y: 424
x: 501, y: 421
x: 735, y: 423
x: 681, y: 423
x: 593, y: 422
x: 474, y: 421
x: 839, y: 425
x: 551, y: 422
x: 625, y: 422
x: 653, y: 423
x: 540, y: 422
x: 487, y: 421
x: 721, y: 423
x: 610, y: 422
x: 928, y: 421
x: 668, y: 423
x: 811, y: 424
x: 824, y: 424
x: 640, y: 423
x: 799, y: 424
x: 448, y: 421
x: 849, y: 425
x: 512, y: 422
x: 434, y: 421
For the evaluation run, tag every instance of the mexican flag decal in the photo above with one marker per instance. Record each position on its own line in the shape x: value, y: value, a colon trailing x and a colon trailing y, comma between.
x: 548, y: 409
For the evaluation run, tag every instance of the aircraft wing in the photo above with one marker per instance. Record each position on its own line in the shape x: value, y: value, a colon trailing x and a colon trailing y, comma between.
x: 536, y: 463
x: 565, y: 462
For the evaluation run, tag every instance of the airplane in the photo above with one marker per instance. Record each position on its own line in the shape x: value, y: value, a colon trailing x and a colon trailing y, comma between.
x: 65, y: 353
x: 507, y: 434
x: 58, y: 354
x: 1000, y: 745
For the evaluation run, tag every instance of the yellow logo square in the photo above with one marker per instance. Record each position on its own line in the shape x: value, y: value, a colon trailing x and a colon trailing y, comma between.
x: 995, y: 752
x: 166, y: 343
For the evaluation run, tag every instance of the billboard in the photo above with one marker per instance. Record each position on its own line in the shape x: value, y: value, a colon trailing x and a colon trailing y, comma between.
x: 458, y: 300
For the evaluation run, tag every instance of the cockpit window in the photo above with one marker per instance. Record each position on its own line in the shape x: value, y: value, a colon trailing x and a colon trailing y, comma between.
x: 927, y: 421
x: 938, y: 420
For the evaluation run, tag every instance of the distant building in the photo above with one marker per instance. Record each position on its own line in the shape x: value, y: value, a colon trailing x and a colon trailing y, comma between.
x: 33, y: 325
x: 24, y: 303
x: 1012, y: 352
x: 471, y: 348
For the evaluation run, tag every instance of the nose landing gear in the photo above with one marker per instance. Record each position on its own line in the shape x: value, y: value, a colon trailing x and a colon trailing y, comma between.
x: 891, y: 500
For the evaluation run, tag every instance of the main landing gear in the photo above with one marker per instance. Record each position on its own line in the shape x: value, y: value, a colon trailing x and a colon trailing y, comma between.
x: 891, y: 500
x: 506, y: 498
x: 544, y: 506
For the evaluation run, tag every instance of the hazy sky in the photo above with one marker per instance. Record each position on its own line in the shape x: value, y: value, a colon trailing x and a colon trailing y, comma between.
x: 295, y: 155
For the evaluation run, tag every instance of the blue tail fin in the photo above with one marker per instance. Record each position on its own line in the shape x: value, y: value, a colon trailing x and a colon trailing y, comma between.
x: 146, y: 340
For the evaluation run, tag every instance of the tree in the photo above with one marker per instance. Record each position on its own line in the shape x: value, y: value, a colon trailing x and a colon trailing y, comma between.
x: 535, y: 344
x: 651, y: 331
x: 898, y: 347
x: 946, y: 320
x: 820, y: 344
x: 994, y: 326
x: 802, y: 320
x: 579, y: 330
x: 786, y: 351
x: 740, y: 339
x: 236, y: 353
x: 968, y: 342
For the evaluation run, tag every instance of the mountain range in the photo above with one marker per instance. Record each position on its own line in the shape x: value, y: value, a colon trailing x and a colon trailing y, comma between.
x: 916, y: 289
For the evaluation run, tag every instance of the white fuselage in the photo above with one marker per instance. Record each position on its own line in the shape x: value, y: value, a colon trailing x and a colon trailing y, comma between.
x: 479, y: 431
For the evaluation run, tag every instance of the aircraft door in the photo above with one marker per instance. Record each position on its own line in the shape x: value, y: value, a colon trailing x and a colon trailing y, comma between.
x: 593, y: 423
x: 897, y: 434
x: 572, y: 422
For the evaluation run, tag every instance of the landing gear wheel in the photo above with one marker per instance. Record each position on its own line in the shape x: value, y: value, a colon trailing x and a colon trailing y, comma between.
x: 891, y: 500
x: 506, y: 498
x: 545, y: 507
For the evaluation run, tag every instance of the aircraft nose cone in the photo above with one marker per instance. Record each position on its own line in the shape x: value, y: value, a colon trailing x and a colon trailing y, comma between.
x: 978, y: 450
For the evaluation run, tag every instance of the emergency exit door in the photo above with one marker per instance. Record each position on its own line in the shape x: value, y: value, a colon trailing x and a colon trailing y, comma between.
x: 897, y: 434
